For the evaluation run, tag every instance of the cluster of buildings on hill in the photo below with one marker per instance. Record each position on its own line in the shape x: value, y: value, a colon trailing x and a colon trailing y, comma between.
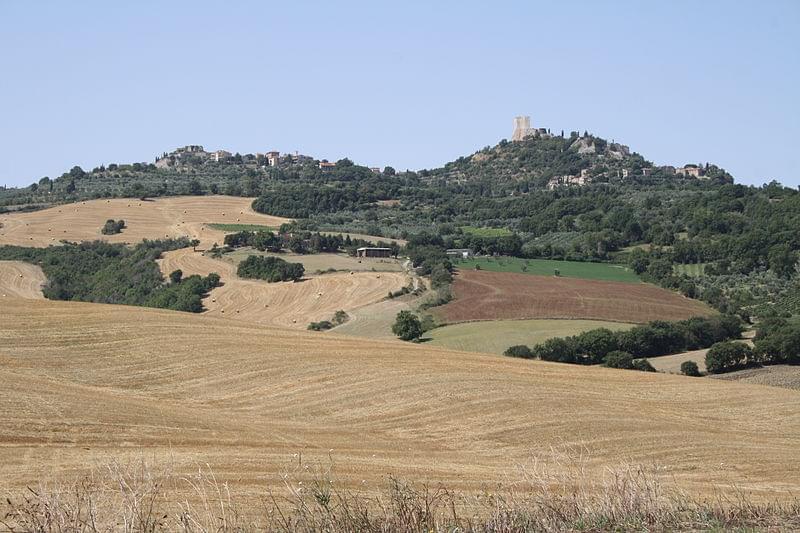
x: 586, y: 144
x: 194, y: 153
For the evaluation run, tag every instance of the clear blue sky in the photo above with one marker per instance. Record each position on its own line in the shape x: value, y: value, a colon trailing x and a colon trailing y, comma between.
x: 408, y: 84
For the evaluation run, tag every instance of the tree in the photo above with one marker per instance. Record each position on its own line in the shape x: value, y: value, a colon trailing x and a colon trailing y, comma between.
x: 618, y: 359
x: 175, y: 276
x: 643, y: 365
x: 520, y: 350
x: 194, y: 243
x: 389, y: 171
x: 70, y: 187
x: 557, y: 350
x: 727, y: 356
x: 782, y: 260
x: 407, y: 326
x: 689, y: 368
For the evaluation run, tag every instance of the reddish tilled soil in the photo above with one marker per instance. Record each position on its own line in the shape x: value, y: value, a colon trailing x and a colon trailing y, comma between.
x: 481, y: 295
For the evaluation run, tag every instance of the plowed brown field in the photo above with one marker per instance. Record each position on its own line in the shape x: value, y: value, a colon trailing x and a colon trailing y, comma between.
x: 85, y: 384
x: 480, y: 295
x: 183, y: 216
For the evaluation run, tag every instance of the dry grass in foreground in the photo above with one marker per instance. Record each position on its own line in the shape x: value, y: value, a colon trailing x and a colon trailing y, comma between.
x: 136, y: 497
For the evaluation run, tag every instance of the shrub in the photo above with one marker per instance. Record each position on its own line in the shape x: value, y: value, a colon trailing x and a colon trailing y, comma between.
x: 520, y: 350
x: 643, y: 365
x: 320, y: 326
x: 689, y: 368
x: 728, y: 356
x: 618, y: 359
x: 112, y: 227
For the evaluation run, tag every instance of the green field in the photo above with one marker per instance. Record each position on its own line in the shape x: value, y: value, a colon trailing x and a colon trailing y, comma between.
x: 547, y: 267
x: 486, y: 232
x: 694, y: 271
x: 495, y: 336
x: 241, y: 227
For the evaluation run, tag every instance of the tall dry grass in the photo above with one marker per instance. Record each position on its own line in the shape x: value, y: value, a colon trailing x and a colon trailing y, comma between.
x: 555, y: 496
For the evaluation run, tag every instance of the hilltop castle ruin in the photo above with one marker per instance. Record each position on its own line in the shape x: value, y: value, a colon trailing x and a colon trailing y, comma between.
x: 522, y: 129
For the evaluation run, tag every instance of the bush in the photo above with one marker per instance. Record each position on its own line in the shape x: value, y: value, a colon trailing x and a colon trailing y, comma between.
x: 520, y: 350
x: 728, y: 356
x: 271, y: 269
x: 618, y: 359
x: 112, y: 227
x: 689, y: 368
x: 643, y: 365
x: 407, y: 326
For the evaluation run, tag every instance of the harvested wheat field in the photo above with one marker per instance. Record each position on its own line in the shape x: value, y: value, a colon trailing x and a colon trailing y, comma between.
x: 480, y: 295
x: 21, y: 280
x: 85, y: 384
x: 183, y: 216
x: 286, y: 304
x: 787, y: 376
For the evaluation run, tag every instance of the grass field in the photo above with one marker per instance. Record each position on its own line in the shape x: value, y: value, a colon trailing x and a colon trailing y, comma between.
x: 692, y: 270
x: 181, y: 216
x: 486, y: 232
x: 86, y: 384
x: 496, y: 335
x: 547, y: 267
x: 484, y: 295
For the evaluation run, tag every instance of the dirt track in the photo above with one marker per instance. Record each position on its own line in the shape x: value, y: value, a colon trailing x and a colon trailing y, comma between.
x: 21, y: 280
x: 291, y: 305
x: 153, y: 219
x: 88, y: 383
x: 481, y: 295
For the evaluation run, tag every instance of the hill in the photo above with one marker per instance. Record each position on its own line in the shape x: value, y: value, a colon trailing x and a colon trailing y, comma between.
x: 88, y: 383
x: 189, y: 216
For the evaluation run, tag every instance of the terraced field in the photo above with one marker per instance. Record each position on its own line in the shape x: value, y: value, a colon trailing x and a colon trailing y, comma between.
x: 85, y: 384
x: 187, y: 216
x: 481, y: 295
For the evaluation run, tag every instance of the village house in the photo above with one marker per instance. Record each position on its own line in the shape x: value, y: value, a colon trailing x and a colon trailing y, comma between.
x: 219, y: 155
x: 691, y: 171
x: 461, y: 253
x: 373, y: 252
x: 324, y: 165
x: 273, y: 157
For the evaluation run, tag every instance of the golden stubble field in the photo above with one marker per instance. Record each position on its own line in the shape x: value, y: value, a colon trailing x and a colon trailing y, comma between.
x: 20, y: 280
x: 181, y: 216
x: 286, y: 304
x: 84, y: 384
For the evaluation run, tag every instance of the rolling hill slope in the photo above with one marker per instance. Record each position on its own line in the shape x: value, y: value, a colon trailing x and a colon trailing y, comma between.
x: 88, y: 383
x: 179, y: 216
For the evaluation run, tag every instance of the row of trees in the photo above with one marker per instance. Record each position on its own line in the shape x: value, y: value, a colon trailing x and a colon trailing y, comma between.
x: 650, y: 340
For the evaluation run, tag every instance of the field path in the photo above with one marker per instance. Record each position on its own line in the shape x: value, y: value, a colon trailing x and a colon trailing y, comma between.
x: 178, y: 216
x: 21, y: 280
x: 286, y: 304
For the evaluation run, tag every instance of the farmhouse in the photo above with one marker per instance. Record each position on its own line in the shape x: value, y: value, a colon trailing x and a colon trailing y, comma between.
x: 373, y: 252
x: 463, y: 253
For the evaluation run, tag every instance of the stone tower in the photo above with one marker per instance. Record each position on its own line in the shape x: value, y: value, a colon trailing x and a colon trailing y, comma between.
x: 522, y: 127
